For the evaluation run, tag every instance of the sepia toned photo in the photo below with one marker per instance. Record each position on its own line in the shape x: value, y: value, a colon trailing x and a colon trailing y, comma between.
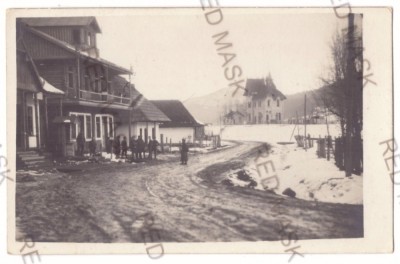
x: 160, y: 129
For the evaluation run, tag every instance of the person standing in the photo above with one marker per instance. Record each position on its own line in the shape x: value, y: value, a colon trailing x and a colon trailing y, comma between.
x: 117, y: 147
x: 184, y: 152
x: 80, y: 141
x: 154, y: 147
x: 140, y: 146
x: 134, y: 148
x: 150, y: 148
x: 124, y: 148
x: 92, y: 147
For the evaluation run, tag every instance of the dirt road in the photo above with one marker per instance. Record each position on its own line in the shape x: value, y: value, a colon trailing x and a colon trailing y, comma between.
x: 107, y: 203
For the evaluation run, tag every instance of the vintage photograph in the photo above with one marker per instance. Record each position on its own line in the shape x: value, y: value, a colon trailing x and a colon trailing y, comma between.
x: 208, y: 125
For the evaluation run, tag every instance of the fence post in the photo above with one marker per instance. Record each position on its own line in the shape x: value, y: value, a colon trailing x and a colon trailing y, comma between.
x: 323, y: 148
x: 329, y: 148
x: 319, y: 154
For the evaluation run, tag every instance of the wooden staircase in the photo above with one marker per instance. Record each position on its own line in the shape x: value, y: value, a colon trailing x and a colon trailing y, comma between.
x: 33, y: 159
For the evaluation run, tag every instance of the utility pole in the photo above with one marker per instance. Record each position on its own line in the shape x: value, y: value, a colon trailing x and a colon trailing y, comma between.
x: 349, y: 83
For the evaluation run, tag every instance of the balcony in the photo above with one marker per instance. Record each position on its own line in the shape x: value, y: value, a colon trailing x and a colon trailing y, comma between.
x: 103, y: 97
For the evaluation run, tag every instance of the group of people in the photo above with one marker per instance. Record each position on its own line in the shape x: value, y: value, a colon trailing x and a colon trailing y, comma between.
x: 138, y: 148
x: 80, y: 142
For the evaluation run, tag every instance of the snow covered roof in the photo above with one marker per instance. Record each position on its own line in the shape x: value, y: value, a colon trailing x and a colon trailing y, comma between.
x: 50, y: 88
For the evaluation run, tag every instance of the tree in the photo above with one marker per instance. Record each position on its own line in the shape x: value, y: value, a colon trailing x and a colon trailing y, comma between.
x: 342, y: 90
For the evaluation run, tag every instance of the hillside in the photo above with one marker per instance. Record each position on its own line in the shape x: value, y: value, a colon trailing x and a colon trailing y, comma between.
x: 207, y: 108
x: 295, y: 102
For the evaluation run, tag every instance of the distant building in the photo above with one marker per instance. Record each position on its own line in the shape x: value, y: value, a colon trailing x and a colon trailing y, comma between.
x: 182, y: 124
x: 264, y: 101
x: 234, y: 118
x: 234, y: 108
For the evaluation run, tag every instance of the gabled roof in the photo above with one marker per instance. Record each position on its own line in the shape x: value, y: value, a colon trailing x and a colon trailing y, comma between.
x: 176, y: 112
x: 259, y: 89
x: 72, y: 49
x: 143, y: 109
x: 62, y: 21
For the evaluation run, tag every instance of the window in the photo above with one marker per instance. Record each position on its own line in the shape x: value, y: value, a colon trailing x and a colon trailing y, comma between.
x: 111, y: 126
x: 89, y: 39
x: 269, y: 103
x: 98, y: 127
x: 88, y: 127
x: 82, y: 125
x: 249, y: 104
x: 76, y: 36
x: 70, y: 77
x: 267, y: 118
x: 73, y: 129
x: 277, y: 102
x: 259, y: 103
x: 29, y: 119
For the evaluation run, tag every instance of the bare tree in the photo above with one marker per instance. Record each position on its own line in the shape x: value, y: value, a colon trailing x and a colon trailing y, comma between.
x: 342, y: 91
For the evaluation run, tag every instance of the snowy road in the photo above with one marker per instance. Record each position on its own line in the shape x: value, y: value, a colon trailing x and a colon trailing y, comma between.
x: 105, y: 204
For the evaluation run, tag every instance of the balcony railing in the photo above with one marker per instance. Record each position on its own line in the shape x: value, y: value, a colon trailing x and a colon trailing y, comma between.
x: 103, y: 97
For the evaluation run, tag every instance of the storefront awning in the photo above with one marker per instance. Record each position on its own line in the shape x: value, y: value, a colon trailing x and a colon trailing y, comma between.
x: 65, y: 120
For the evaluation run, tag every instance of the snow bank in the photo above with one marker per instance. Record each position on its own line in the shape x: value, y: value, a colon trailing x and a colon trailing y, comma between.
x: 311, y: 178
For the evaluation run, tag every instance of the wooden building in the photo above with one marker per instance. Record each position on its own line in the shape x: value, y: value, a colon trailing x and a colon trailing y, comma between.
x: 33, y: 92
x: 96, y: 98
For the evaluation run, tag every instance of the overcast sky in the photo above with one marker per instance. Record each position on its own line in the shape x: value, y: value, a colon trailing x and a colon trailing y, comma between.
x: 174, y: 55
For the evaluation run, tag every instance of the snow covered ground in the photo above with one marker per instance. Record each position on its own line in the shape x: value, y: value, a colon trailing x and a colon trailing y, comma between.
x: 272, y: 133
x: 303, y: 172
x: 311, y: 178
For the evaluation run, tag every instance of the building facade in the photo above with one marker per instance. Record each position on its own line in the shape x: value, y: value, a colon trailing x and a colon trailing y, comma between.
x: 264, y: 102
x: 97, y: 101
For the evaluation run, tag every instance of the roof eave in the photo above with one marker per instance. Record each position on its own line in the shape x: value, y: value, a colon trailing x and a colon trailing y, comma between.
x: 65, y: 46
